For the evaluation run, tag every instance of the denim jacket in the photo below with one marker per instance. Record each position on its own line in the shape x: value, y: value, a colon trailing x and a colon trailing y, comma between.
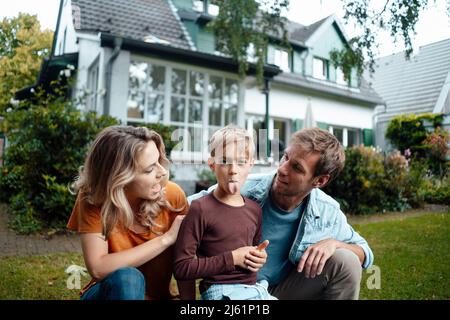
x: 321, y: 220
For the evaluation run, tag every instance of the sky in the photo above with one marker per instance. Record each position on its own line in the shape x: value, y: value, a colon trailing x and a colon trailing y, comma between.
x: 433, y: 24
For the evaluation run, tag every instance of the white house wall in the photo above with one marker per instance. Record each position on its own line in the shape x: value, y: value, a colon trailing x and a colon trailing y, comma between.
x: 119, y: 84
x: 90, y: 50
x: 66, y: 24
x: 291, y: 104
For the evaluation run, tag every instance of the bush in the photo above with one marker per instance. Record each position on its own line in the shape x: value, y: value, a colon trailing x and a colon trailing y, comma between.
x: 355, y: 188
x: 371, y: 182
x: 410, y: 131
x: 48, y: 140
x: 422, y: 137
x: 166, y: 134
x: 438, y: 191
x: 437, y: 143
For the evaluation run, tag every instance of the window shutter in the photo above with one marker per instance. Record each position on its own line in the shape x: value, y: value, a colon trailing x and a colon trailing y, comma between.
x: 368, y: 137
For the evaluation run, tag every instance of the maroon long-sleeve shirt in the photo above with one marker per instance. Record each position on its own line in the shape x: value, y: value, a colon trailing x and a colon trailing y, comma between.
x: 208, y: 234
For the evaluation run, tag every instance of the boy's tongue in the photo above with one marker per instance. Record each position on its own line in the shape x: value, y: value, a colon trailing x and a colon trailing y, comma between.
x: 233, y: 187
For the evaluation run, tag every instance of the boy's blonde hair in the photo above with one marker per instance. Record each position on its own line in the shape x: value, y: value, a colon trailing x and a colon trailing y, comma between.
x: 231, y: 134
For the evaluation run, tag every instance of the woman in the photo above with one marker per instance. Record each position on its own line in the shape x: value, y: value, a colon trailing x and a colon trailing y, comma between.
x: 128, y: 216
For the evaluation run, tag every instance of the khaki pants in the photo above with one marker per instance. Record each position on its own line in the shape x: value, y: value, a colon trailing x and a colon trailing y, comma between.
x: 340, y: 279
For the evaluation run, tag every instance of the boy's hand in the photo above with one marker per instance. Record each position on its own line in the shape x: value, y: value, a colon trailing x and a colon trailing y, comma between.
x: 256, y: 258
x: 239, y: 257
x: 251, y: 258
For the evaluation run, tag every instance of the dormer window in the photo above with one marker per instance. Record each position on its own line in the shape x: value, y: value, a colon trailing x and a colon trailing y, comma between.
x: 320, y: 69
x: 281, y: 59
x: 340, y: 77
x: 206, y: 7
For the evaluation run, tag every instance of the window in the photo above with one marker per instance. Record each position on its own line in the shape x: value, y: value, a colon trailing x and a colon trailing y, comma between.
x: 64, y: 40
x: 278, y: 131
x: 348, y: 137
x: 339, y: 134
x: 282, y: 59
x: 340, y: 77
x: 178, y: 97
x: 320, y: 69
x: 251, y: 53
x: 92, y: 85
x: 186, y: 104
x: 146, y: 88
x: 199, y: 6
x: 352, y: 137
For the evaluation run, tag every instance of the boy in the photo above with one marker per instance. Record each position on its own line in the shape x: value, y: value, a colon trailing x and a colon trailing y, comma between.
x: 218, y: 238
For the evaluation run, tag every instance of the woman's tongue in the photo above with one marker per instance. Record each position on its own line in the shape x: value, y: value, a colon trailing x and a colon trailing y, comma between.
x: 233, y: 187
x: 156, y: 188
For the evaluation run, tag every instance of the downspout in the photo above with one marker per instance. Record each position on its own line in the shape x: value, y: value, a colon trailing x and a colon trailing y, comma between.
x: 266, y: 118
x: 108, y: 76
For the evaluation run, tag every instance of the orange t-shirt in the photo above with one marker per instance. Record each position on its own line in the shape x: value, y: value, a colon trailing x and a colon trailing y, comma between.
x: 158, y: 271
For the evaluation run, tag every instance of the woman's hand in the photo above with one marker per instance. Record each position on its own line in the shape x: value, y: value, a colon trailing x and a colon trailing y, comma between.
x: 171, y: 235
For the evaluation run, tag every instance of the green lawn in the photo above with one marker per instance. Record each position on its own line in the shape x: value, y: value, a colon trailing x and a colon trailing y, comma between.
x: 413, y: 255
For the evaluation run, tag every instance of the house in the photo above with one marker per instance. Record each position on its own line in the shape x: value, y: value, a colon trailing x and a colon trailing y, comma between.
x: 418, y: 85
x: 155, y: 61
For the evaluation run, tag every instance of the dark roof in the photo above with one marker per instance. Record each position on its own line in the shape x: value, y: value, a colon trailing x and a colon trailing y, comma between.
x: 298, y: 32
x: 203, y: 59
x: 134, y: 19
x: 363, y: 94
x: 50, y: 70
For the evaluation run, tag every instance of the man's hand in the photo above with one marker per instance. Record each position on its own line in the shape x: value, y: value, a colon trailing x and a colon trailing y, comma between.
x: 314, y: 258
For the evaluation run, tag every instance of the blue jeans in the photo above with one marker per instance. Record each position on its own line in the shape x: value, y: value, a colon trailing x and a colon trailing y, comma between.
x: 237, y: 291
x: 122, y: 284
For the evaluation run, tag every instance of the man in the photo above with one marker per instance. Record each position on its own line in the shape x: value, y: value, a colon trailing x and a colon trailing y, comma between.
x: 313, y: 253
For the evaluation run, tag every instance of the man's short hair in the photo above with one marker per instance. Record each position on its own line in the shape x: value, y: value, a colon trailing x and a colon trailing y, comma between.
x: 332, y: 154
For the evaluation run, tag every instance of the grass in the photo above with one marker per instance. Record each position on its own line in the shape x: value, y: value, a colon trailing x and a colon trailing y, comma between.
x: 412, y: 254
x: 38, y: 277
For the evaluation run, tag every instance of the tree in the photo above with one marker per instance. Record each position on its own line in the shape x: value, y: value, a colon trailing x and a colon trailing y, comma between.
x: 48, y: 139
x: 244, y: 25
x: 398, y: 17
x: 22, y: 47
x: 235, y: 33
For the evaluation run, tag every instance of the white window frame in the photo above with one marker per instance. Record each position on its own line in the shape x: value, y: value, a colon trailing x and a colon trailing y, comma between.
x: 340, y: 77
x: 185, y: 154
x: 92, y: 85
x: 250, y: 120
x: 320, y: 68
x: 345, y: 134
x: 281, y: 59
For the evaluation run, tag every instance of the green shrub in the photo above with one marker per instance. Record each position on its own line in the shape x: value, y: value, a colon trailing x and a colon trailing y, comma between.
x: 410, y: 131
x: 438, y: 191
x: 422, y: 137
x: 356, y: 187
x: 166, y: 134
x: 437, y: 143
x: 48, y: 139
x: 371, y: 182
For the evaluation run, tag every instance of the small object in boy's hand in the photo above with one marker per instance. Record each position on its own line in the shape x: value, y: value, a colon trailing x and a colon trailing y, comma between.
x: 263, y: 245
